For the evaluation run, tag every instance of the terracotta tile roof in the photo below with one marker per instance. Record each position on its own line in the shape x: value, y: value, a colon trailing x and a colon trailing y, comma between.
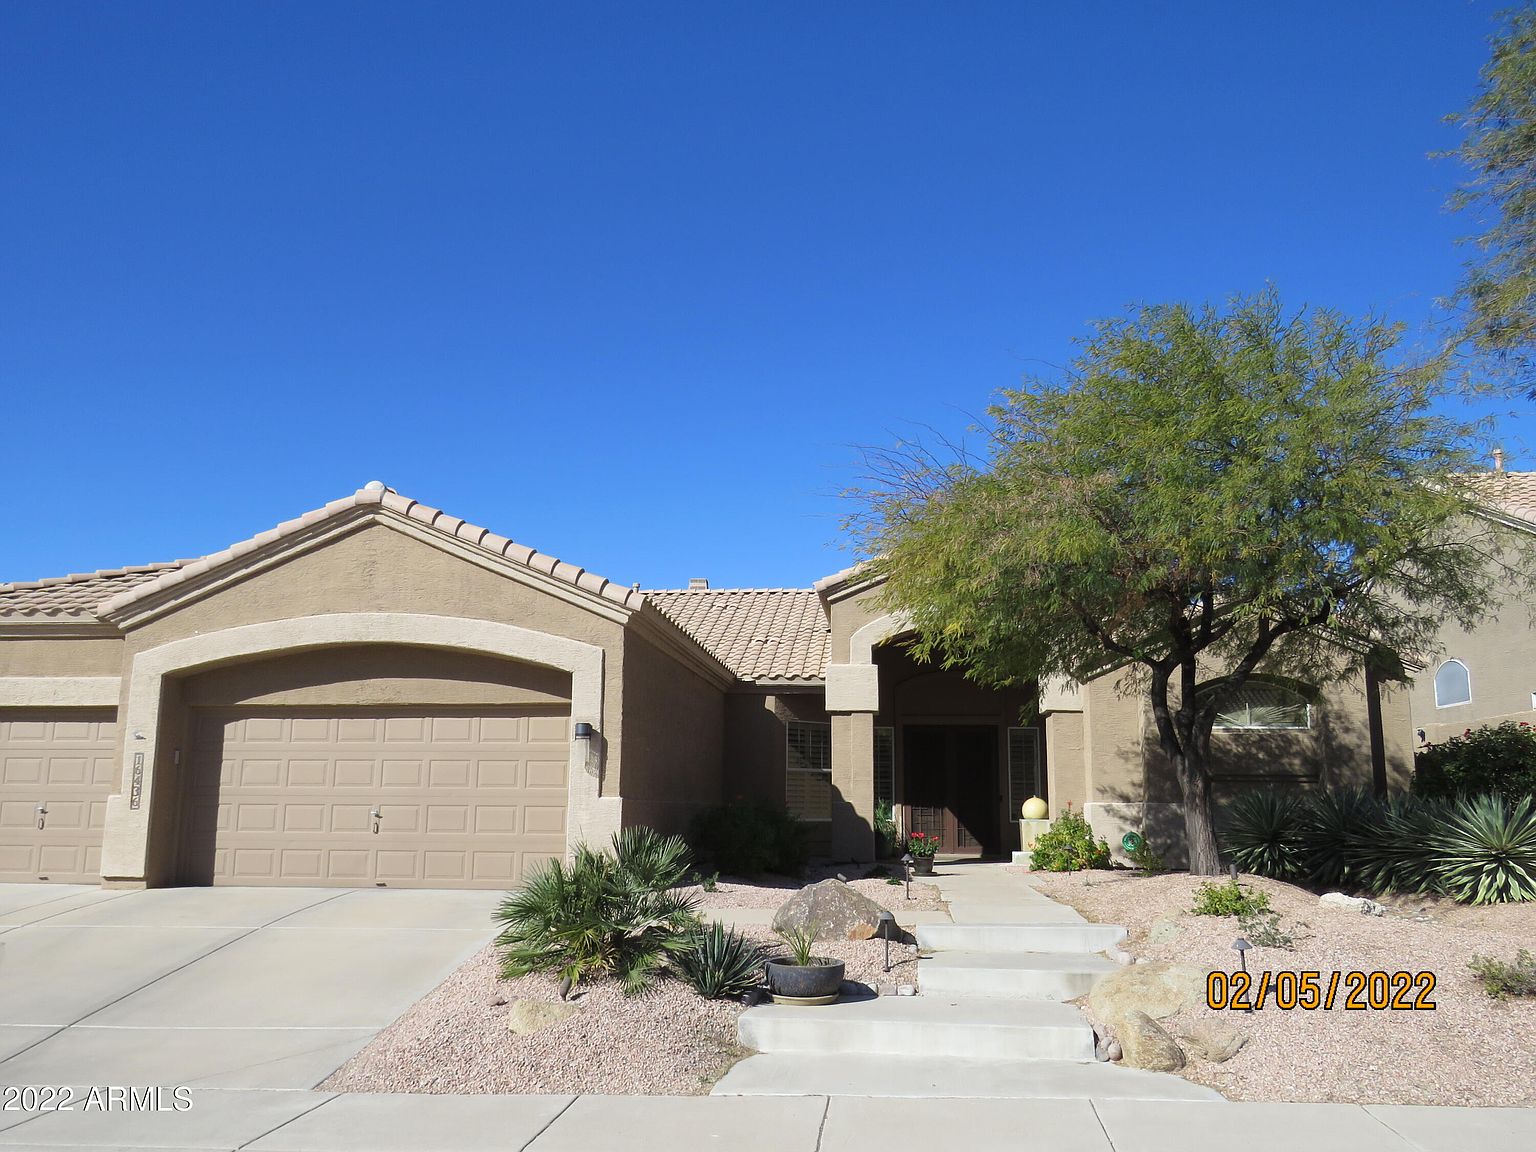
x: 78, y: 594
x: 376, y: 495
x: 761, y: 634
x: 1512, y: 492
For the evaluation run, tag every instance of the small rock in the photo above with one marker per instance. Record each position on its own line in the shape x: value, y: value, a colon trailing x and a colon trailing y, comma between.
x: 1115, y: 1052
x: 497, y: 1001
x: 886, y: 990
x: 526, y: 1017
x: 1141, y: 960
x: 1147, y: 1045
x: 906, y: 990
x: 1101, y: 1053
x: 1120, y: 956
x: 831, y: 908
x: 861, y: 932
x: 1164, y: 929
x: 1214, y: 1041
x: 1352, y: 904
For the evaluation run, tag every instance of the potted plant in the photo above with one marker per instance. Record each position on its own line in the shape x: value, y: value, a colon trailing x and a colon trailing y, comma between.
x: 922, y: 847
x: 801, y: 978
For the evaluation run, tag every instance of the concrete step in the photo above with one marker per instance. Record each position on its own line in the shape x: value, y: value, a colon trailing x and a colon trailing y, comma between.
x: 812, y: 1074
x: 934, y: 1026
x: 1012, y: 975
x: 1018, y: 937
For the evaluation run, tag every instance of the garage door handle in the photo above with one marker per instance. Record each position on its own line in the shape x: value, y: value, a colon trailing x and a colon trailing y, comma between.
x: 42, y: 815
x: 377, y: 816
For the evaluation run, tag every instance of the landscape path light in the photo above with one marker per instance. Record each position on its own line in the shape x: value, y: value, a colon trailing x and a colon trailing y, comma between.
x: 887, y: 921
x: 1241, y: 946
x: 906, y: 872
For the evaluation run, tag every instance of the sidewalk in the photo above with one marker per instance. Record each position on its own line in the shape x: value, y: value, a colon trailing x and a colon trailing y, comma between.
x: 293, y: 1121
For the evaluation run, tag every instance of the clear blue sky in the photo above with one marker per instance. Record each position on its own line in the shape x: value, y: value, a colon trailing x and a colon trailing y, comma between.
x: 628, y: 282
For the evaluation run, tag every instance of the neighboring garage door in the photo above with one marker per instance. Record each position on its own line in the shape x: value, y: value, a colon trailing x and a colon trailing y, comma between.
x: 61, y: 759
x: 430, y: 799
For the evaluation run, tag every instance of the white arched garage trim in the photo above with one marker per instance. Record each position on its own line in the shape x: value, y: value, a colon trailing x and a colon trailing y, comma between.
x: 125, y: 841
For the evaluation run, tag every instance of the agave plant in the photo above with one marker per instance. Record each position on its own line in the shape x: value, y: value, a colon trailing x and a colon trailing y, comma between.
x: 1334, y: 828
x: 1394, y: 850
x: 1485, y: 850
x: 606, y: 913
x: 1262, y: 833
x: 719, y: 962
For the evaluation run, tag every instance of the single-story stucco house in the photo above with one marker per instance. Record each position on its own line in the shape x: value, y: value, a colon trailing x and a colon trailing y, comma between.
x: 378, y: 693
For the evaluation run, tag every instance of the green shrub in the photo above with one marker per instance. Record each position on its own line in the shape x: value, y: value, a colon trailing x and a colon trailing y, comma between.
x: 719, y: 962
x: 1502, y: 980
x: 1262, y: 833
x: 885, y: 829
x: 606, y: 913
x: 1500, y: 759
x: 1068, y: 846
x: 748, y: 839
x: 1485, y: 850
x: 1229, y: 898
x: 1142, y: 856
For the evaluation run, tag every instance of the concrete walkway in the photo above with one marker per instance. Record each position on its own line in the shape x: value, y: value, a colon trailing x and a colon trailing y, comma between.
x: 292, y: 1121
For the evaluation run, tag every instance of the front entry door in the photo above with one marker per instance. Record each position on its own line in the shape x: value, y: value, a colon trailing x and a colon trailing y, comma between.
x: 950, y: 785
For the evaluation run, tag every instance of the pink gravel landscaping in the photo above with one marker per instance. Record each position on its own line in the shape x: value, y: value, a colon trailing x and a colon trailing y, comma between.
x: 1470, y: 1050
x: 667, y: 1042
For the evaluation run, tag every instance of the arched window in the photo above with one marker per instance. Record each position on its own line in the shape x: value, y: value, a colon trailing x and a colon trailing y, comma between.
x: 1257, y: 705
x: 1453, y: 684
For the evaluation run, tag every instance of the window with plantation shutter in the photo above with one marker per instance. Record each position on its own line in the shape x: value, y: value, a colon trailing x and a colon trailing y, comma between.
x: 885, y: 766
x: 1023, y: 768
x: 1258, y: 705
x: 808, y: 770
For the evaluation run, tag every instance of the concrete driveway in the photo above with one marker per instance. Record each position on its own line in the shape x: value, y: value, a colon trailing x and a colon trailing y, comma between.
x: 216, y: 987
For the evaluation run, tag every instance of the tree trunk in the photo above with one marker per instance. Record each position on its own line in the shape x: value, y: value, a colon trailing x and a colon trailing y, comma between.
x: 1199, y: 819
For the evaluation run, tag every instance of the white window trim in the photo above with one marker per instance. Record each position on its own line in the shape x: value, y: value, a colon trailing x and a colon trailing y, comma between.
x: 1462, y: 664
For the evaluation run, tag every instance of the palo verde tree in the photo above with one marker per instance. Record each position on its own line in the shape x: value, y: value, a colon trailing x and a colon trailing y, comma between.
x: 1498, y: 293
x: 1207, y: 494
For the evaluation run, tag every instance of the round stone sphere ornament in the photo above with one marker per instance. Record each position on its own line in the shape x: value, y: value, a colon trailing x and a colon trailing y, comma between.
x: 1033, y: 809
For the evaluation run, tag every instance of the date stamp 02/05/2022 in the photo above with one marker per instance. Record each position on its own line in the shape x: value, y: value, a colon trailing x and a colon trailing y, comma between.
x: 51, y: 1098
x: 1311, y: 991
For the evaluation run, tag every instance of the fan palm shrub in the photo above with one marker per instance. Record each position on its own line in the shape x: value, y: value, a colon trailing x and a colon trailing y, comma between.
x: 719, y: 962
x: 606, y: 913
x: 1485, y: 850
x: 1262, y: 833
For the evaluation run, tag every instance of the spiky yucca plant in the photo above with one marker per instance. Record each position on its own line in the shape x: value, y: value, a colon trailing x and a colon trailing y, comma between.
x: 1262, y: 833
x: 1485, y: 850
x: 608, y: 912
x: 1393, y: 849
x: 719, y: 962
x: 1332, y: 832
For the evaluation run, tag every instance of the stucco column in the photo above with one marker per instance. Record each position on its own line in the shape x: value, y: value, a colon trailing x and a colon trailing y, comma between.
x: 1065, y: 766
x: 853, y: 786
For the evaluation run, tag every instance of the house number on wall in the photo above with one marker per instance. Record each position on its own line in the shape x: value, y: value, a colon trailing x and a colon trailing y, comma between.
x: 136, y: 788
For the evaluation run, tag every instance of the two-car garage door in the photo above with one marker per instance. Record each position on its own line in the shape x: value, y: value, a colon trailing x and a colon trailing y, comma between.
x: 431, y: 798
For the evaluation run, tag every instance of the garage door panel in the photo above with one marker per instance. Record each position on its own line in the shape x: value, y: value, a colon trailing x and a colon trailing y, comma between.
x: 64, y: 759
x: 301, y: 812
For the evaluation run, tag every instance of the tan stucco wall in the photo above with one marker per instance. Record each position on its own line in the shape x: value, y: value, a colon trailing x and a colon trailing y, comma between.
x: 674, y: 739
x: 61, y: 656
x: 378, y: 675
x: 1500, y: 655
x: 379, y: 569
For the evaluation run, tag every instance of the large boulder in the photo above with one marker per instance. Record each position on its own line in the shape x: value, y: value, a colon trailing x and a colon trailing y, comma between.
x: 1148, y: 1045
x: 832, y: 908
x: 525, y: 1017
x: 1156, y: 988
